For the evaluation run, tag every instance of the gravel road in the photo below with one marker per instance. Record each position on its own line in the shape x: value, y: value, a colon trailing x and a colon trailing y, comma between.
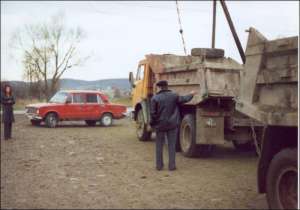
x: 75, y: 166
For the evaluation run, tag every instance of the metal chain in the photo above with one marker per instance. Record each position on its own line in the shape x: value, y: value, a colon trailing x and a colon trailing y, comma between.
x: 180, y: 27
x: 255, y: 138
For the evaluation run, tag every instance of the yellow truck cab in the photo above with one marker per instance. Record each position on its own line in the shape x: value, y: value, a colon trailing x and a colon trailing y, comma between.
x: 142, y: 91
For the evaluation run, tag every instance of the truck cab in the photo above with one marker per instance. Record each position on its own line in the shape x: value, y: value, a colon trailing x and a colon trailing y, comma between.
x: 142, y: 91
x: 142, y: 86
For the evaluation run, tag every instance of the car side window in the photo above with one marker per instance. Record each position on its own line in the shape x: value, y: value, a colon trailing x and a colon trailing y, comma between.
x: 91, y: 98
x: 78, y: 98
x: 100, y: 101
x: 69, y: 98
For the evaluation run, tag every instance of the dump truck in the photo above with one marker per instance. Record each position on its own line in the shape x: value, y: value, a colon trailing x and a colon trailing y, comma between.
x: 210, y: 117
x: 269, y: 95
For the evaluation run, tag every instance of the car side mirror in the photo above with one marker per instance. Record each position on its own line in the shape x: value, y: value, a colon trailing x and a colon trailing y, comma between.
x: 131, y: 79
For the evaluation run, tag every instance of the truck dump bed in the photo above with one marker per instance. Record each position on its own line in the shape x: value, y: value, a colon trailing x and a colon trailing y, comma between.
x: 209, y: 77
x: 269, y: 84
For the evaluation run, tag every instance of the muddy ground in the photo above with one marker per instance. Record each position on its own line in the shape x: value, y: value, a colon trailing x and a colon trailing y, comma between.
x: 75, y: 166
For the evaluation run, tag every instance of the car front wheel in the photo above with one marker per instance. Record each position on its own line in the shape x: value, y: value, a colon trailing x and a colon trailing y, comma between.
x: 51, y: 120
x: 106, y: 120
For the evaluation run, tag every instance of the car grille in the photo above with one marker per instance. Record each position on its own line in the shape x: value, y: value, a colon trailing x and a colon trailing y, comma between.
x: 31, y: 110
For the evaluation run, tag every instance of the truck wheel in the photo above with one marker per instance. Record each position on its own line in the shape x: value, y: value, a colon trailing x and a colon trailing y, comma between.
x: 188, y: 136
x: 178, y: 147
x: 282, y: 180
x: 208, y: 52
x: 245, y: 147
x: 141, y: 128
x: 106, y: 119
x: 90, y: 122
x: 35, y: 122
x: 51, y: 120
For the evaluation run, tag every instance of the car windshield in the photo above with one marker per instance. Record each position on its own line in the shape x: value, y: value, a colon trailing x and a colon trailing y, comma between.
x: 59, y: 97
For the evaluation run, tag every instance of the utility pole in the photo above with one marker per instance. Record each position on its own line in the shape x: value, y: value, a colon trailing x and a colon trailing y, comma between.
x: 231, y: 26
x: 214, y: 24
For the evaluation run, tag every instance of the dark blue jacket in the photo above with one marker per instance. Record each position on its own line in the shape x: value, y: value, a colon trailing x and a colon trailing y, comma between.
x: 7, y: 108
x: 164, y: 110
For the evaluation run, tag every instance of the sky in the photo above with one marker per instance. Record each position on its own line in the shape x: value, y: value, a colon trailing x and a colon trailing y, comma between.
x: 119, y: 34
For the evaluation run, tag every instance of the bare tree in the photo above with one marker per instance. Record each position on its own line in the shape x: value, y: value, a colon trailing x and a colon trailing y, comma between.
x: 49, y: 49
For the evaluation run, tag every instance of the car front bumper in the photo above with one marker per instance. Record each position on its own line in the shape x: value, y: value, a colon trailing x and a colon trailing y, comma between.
x: 33, y: 116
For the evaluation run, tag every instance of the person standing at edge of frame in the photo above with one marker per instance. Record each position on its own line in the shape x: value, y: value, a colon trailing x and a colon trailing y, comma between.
x: 165, y: 119
x: 7, y: 101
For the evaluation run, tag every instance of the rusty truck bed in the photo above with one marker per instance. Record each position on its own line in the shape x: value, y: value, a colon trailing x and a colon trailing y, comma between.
x: 209, y: 77
x: 269, y: 85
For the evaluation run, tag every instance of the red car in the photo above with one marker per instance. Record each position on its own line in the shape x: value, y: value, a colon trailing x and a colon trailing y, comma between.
x: 91, y: 106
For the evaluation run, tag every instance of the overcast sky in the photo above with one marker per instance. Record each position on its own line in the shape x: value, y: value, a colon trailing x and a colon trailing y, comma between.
x: 119, y: 34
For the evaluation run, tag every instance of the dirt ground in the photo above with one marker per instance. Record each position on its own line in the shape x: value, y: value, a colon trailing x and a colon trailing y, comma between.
x: 75, y: 166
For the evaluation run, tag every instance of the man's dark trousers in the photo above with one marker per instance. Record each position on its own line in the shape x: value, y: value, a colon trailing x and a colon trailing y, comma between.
x: 171, y: 135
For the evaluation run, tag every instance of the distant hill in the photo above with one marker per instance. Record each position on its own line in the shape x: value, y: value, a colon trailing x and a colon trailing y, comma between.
x: 122, y: 84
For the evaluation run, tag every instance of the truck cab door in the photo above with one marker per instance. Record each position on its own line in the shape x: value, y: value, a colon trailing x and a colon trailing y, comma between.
x: 139, y: 89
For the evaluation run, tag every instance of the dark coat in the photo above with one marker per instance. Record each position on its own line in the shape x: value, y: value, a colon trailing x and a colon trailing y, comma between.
x: 164, y: 110
x: 7, y: 108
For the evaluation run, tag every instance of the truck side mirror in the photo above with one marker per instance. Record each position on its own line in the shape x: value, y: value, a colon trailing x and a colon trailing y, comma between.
x: 131, y: 79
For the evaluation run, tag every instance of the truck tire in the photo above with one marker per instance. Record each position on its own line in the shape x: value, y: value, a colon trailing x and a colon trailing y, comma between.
x: 177, y: 146
x: 90, y: 122
x: 35, y: 122
x: 245, y: 147
x: 141, y: 127
x: 51, y: 120
x: 281, y: 187
x: 208, y: 52
x: 188, y: 136
x: 106, y: 119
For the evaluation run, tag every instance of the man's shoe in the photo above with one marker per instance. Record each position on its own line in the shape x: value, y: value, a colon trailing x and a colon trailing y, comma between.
x: 159, y: 168
x: 172, y: 169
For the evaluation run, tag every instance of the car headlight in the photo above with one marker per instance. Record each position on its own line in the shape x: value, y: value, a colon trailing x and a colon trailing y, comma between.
x: 37, y: 111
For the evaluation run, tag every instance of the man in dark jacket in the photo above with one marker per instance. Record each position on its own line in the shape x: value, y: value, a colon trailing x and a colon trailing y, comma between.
x: 165, y: 119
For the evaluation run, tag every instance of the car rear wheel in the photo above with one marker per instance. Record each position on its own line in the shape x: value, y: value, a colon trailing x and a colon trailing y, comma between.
x: 35, y: 122
x: 90, y: 122
x: 106, y: 119
x: 51, y: 120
